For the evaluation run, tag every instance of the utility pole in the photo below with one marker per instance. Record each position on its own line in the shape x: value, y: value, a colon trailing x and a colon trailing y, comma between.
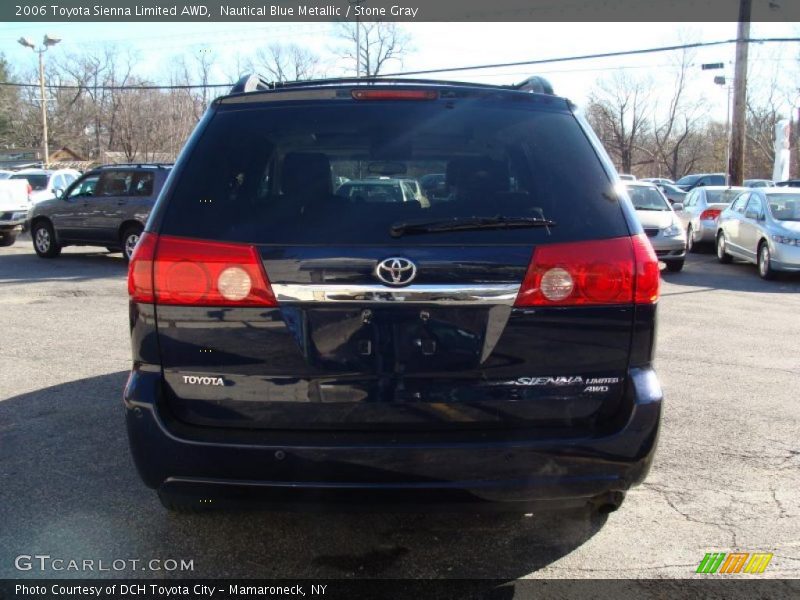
x: 736, y: 165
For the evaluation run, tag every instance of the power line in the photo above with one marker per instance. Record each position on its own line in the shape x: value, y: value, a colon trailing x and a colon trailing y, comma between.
x: 592, y: 56
x: 118, y: 87
x: 430, y: 71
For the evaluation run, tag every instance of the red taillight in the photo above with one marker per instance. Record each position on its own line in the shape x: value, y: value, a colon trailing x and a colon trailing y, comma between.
x: 710, y: 214
x: 179, y: 271
x: 140, y: 269
x: 648, y: 277
x: 616, y: 271
x: 30, y: 191
x: 395, y: 94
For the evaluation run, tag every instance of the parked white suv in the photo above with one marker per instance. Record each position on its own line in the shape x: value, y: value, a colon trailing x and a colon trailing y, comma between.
x: 44, y: 183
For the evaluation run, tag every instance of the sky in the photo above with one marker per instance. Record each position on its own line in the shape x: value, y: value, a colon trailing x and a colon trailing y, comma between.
x: 439, y: 45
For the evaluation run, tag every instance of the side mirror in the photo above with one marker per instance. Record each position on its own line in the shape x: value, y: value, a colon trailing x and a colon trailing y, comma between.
x: 59, y: 193
x: 678, y: 206
x: 751, y: 214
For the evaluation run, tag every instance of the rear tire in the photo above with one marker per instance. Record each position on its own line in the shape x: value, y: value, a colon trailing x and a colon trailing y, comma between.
x: 130, y: 237
x: 7, y: 239
x: 765, y: 269
x: 44, y: 240
x: 722, y: 254
x: 675, y: 266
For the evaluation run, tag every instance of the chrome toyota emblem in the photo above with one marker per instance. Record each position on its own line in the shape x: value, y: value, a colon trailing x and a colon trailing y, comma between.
x: 396, y: 271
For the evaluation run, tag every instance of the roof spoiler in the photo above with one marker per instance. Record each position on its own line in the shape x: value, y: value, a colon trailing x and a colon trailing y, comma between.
x: 251, y: 83
x: 258, y: 83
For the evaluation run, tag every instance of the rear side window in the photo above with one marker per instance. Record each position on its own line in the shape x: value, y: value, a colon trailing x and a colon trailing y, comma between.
x: 115, y: 183
x: 142, y: 184
x: 738, y: 205
x: 343, y: 173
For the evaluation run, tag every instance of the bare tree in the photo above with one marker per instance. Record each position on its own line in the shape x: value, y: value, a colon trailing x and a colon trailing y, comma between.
x: 380, y: 43
x: 619, y: 110
x: 676, y: 146
x: 288, y: 63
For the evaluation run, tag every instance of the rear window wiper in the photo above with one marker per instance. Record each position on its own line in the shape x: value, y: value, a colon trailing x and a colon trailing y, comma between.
x: 467, y: 224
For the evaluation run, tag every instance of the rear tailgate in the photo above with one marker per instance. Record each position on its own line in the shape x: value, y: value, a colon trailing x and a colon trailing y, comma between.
x: 383, y: 363
x: 343, y: 350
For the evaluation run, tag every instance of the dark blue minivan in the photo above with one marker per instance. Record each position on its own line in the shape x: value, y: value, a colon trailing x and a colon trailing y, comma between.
x: 490, y: 345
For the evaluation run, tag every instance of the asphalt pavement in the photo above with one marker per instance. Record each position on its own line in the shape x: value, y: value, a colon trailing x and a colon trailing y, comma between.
x: 726, y: 476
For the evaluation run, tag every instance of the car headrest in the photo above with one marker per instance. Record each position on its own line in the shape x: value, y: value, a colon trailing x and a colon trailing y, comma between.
x: 306, y: 174
x: 478, y: 174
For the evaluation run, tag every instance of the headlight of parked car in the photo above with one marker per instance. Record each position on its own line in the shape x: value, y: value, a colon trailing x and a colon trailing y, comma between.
x: 782, y: 239
x: 17, y: 216
x: 673, y: 231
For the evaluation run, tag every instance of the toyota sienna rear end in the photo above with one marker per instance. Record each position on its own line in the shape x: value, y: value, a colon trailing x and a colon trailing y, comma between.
x: 491, y: 344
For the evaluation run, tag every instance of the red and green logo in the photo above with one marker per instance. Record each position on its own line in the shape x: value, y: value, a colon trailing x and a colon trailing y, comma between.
x: 734, y: 562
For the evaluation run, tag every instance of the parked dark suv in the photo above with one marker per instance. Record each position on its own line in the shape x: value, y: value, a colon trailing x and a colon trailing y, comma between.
x: 292, y: 345
x: 107, y: 206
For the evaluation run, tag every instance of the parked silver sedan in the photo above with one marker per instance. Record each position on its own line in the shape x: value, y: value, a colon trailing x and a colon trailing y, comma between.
x: 660, y: 223
x: 763, y: 227
x: 701, y: 209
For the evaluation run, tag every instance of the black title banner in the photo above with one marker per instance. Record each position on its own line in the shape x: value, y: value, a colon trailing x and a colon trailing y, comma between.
x: 398, y: 10
x: 709, y: 588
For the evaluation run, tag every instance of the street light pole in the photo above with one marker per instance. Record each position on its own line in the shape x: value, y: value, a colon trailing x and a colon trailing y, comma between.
x: 47, y: 42
x: 45, y: 145
x: 721, y: 81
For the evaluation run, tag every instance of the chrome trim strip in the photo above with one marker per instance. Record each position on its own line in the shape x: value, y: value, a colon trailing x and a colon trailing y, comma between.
x: 480, y: 293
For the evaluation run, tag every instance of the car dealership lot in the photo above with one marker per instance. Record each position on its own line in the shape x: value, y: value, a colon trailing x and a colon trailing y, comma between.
x: 725, y: 478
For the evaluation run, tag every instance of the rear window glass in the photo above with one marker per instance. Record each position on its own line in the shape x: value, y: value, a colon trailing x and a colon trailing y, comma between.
x: 37, y: 182
x: 344, y: 173
x: 721, y: 196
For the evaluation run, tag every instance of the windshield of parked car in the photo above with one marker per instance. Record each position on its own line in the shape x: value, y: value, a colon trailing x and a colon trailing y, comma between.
x: 270, y: 174
x: 784, y: 207
x: 722, y: 196
x: 37, y: 182
x: 647, y: 198
x: 688, y: 180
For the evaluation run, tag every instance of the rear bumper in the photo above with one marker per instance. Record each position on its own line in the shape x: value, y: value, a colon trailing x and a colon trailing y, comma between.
x: 707, y: 231
x: 351, y: 469
x: 11, y: 226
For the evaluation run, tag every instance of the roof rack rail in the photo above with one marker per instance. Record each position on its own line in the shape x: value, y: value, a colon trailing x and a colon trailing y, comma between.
x: 254, y: 82
x: 141, y: 165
